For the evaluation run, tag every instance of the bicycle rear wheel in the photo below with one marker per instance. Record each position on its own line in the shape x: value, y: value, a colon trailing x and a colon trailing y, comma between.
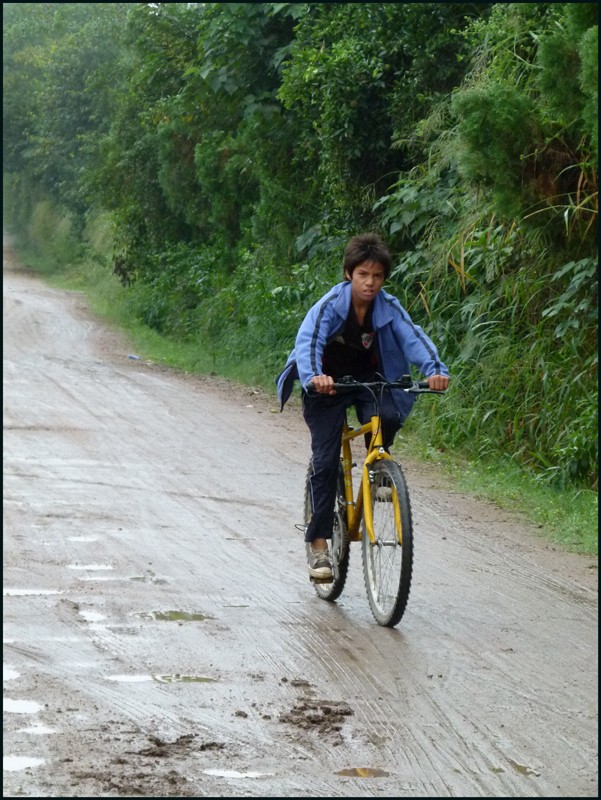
x: 339, y: 544
x: 388, y: 562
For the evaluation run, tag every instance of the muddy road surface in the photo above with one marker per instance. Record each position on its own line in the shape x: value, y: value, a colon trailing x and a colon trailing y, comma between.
x: 161, y: 637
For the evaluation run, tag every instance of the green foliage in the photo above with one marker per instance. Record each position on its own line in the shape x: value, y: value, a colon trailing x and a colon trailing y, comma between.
x: 492, y: 143
x: 169, y: 302
x: 525, y: 116
x: 61, y: 56
x: 589, y: 83
x: 576, y: 306
x: 254, y: 317
x: 497, y: 245
x: 359, y: 77
x: 225, y: 152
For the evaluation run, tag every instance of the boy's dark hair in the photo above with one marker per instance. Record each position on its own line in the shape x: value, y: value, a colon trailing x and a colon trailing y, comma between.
x: 366, y: 247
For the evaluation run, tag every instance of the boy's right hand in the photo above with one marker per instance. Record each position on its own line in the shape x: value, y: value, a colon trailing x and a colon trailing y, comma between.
x: 439, y: 383
x: 323, y: 384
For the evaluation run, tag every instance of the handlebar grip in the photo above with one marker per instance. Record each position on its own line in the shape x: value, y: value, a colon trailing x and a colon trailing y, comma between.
x: 346, y: 382
x: 310, y: 387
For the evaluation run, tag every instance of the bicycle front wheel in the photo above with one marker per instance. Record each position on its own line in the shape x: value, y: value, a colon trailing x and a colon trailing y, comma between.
x: 388, y: 561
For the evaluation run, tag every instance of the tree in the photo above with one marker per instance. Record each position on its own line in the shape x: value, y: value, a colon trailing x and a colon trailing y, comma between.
x: 59, y: 77
x: 362, y: 76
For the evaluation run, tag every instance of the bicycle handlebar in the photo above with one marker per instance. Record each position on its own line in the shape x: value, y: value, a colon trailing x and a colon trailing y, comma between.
x: 405, y: 382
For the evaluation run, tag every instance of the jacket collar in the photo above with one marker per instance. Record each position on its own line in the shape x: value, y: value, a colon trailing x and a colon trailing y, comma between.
x: 343, y: 301
x: 382, y: 313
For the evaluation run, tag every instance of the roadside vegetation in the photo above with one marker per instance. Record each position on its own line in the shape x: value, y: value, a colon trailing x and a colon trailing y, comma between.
x: 198, y: 168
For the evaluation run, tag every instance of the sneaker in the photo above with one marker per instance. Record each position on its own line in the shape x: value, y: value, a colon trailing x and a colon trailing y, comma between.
x: 320, y: 564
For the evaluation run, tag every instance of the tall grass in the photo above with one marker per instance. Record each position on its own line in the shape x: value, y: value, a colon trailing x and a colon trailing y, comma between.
x: 567, y: 517
x: 517, y: 325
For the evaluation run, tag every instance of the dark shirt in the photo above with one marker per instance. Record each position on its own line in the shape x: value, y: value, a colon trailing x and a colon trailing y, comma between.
x: 354, y: 351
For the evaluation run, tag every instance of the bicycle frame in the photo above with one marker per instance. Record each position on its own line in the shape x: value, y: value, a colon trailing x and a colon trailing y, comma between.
x: 380, y: 516
x: 359, y: 509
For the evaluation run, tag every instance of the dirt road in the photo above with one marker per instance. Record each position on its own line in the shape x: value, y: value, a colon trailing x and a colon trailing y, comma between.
x: 161, y: 637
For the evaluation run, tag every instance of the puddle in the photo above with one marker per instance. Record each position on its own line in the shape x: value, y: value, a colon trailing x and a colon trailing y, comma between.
x: 82, y: 538
x: 90, y: 567
x: 174, y: 616
x: 177, y: 678
x: 17, y: 763
x: 9, y: 674
x: 183, y: 679
x: 37, y: 730
x: 92, y: 616
x: 20, y: 706
x: 27, y: 592
x: 522, y: 769
x: 100, y: 578
x: 363, y: 772
x: 232, y: 773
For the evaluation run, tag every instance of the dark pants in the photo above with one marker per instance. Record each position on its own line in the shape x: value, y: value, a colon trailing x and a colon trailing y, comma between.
x: 325, y: 415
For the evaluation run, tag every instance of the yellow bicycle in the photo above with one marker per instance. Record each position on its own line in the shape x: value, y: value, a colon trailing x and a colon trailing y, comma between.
x: 379, y: 516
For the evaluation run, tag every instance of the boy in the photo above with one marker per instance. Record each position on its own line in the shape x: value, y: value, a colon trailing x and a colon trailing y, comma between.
x: 355, y: 329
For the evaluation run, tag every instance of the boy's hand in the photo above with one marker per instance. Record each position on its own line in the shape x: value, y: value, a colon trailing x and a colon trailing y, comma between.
x: 323, y: 384
x: 438, y: 382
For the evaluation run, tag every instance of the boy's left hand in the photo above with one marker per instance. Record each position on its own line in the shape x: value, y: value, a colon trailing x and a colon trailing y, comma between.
x: 438, y: 382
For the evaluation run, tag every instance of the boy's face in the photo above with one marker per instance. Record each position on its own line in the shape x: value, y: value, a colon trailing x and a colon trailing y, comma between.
x: 366, y: 281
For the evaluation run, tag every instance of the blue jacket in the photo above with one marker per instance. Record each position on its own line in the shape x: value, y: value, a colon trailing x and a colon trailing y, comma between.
x: 401, y: 343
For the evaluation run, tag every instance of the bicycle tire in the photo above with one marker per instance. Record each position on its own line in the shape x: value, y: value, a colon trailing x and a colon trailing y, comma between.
x: 388, y: 564
x: 339, y: 545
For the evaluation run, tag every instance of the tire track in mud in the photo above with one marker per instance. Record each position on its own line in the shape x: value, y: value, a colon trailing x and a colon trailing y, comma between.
x: 375, y: 707
x: 402, y: 748
x: 479, y: 755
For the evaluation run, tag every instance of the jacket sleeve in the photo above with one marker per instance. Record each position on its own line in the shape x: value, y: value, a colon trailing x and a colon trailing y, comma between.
x: 312, y: 338
x: 416, y: 345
